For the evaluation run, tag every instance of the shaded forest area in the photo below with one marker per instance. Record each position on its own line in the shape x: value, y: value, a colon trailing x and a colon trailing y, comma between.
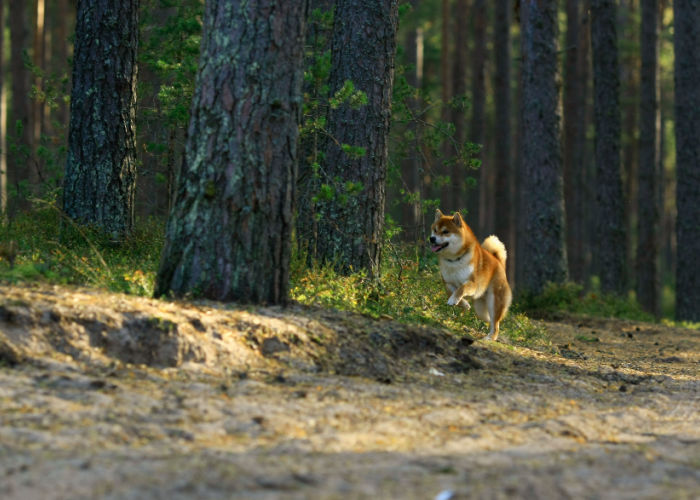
x: 558, y: 126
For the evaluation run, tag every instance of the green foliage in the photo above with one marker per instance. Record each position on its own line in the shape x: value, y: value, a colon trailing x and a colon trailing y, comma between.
x: 410, y: 291
x: 53, y: 249
x: 570, y: 297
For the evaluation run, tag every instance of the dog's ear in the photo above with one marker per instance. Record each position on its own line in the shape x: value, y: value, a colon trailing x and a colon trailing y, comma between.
x: 457, y: 219
x: 438, y: 214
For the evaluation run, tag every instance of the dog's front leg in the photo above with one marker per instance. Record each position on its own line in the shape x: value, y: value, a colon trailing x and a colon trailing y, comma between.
x: 466, y: 290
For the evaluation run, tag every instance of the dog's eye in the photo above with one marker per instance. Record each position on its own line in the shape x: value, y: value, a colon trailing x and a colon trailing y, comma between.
x: 445, y: 231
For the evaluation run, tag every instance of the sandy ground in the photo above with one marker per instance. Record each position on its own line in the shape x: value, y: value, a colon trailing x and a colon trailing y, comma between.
x: 110, y: 396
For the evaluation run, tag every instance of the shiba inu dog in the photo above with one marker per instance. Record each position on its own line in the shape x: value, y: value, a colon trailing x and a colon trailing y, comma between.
x: 470, y: 271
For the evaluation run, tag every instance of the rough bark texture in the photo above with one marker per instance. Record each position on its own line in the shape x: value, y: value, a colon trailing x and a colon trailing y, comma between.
x: 609, y: 241
x: 100, y: 177
x: 648, y: 276
x: 363, y: 48
x: 478, y: 123
x: 543, y: 257
x: 687, y: 91
x: 503, y: 195
x: 229, y: 233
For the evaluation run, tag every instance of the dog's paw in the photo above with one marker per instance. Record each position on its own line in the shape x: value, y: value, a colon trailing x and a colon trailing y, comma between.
x: 452, y: 301
x: 465, y: 304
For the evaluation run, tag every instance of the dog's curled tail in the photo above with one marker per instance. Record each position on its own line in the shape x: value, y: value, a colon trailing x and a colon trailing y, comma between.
x: 496, y: 247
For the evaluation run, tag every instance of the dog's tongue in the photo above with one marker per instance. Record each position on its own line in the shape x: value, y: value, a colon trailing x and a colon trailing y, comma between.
x: 435, y: 248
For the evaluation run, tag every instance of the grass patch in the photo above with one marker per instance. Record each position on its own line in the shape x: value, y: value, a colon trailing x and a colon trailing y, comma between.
x: 52, y: 249
x: 570, y: 297
x: 410, y: 291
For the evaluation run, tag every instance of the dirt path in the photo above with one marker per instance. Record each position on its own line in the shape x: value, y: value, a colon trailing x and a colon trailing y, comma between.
x: 108, y: 396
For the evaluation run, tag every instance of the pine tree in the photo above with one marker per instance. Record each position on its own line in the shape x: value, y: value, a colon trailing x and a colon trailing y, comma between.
x: 609, y: 241
x: 543, y: 257
x: 686, y: 14
x: 100, y: 175
x: 229, y: 233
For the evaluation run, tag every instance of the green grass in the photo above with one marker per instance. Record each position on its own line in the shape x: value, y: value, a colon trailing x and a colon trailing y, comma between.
x: 410, y: 291
x: 570, y: 298
x: 52, y: 249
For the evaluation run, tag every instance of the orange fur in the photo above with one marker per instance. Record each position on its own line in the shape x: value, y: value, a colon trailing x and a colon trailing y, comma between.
x: 472, y: 272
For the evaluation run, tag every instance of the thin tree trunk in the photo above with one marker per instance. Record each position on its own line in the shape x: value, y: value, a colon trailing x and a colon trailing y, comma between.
x: 351, y: 222
x: 36, y: 104
x: 574, y: 105
x: 20, y: 169
x: 543, y: 255
x: 686, y: 14
x: 459, y: 90
x: 60, y: 52
x: 3, y: 119
x: 630, y: 160
x: 229, y: 233
x: 100, y: 172
x: 478, y: 118
x: 412, y: 164
x: 609, y: 248
x: 503, y: 212
x: 648, y: 278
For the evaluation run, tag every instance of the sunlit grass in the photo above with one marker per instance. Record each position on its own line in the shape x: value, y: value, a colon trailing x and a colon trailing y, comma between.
x: 52, y: 249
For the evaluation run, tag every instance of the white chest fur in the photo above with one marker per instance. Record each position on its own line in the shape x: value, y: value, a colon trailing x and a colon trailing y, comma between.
x: 456, y: 272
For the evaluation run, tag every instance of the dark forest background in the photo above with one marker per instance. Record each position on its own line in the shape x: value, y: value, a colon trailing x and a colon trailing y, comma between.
x: 460, y: 135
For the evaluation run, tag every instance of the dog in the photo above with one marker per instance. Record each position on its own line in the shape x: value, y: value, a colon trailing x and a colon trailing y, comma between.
x: 470, y: 271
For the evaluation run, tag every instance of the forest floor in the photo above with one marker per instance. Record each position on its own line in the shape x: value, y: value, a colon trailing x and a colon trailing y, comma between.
x: 113, y: 396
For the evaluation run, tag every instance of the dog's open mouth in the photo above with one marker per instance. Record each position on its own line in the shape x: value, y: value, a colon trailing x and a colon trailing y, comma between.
x: 436, y: 248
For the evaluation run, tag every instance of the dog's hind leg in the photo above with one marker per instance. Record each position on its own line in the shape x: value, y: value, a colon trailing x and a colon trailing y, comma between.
x: 481, y: 308
x: 498, y: 306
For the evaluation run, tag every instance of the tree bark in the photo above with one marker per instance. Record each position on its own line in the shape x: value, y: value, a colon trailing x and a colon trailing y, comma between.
x: 543, y: 257
x: 229, y: 233
x: 502, y: 128
x: 686, y: 14
x: 648, y: 276
x: 100, y: 177
x: 609, y: 241
x: 351, y: 222
x: 38, y: 56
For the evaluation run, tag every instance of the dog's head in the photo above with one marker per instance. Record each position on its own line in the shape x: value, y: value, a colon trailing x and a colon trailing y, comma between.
x: 450, y: 235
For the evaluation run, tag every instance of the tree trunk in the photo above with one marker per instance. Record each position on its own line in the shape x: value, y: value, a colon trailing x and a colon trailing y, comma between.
x: 38, y: 59
x: 100, y: 172
x: 351, y: 221
x: 229, y: 233
x: 61, y: 52
x: 459, y: 90
x: 20, y: 169
x: 502, y: 130
x: 411, y: 165
x: 574, y: 111
x: 478, y: 118
x: 609, y: 241
x: 686, y: 14
x: 543, y: 255
x: 3, y: 119
x: 648, y: 278
x: 630, y: 83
